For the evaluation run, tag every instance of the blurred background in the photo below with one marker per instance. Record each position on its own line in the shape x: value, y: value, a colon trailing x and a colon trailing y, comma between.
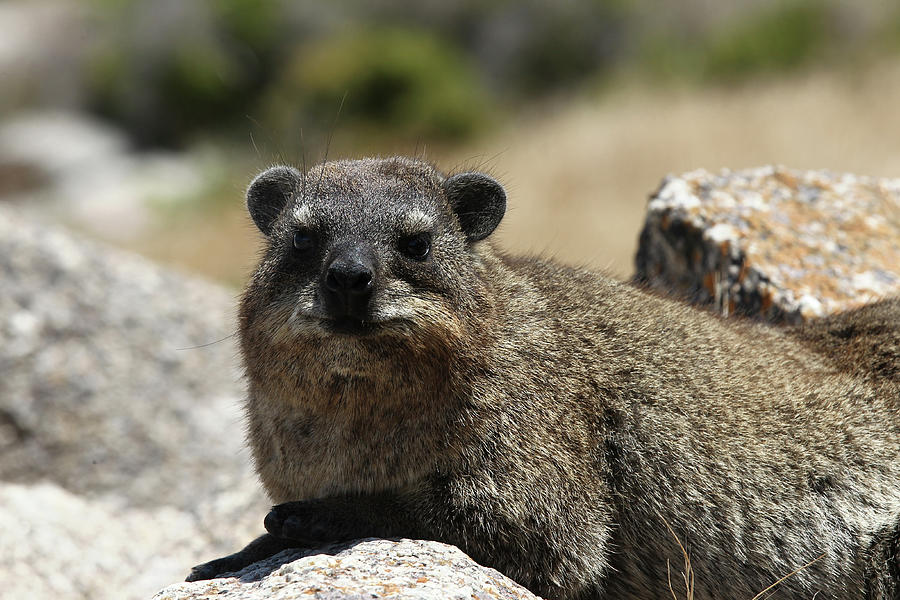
x: 141, y: 121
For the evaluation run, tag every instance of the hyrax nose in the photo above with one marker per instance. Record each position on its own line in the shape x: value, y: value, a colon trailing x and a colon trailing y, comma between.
x: 347, y: 277
x: 349, y: 282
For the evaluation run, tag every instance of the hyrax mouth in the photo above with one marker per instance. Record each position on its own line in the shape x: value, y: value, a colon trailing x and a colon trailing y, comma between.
x: 349, y: 326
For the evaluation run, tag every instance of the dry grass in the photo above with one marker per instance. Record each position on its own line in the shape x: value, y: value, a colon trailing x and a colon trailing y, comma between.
x: 688, y: 573
x: 788, y: 576
x: 579, y: 175
x: 223, y: 246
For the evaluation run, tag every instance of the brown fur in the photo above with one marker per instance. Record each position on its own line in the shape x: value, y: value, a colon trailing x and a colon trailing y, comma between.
x: 552, y: 422
x: 864, y: 341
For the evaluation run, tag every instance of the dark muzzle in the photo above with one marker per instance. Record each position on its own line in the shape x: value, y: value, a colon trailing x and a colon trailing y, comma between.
x: 348, y: 282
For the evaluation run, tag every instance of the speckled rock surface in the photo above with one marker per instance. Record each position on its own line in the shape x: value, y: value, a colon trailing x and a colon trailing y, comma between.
x: 57, y: 544
x: 121, y: 455
x: 104, y: 387
x: 778, y: 243
x: 407, y: 569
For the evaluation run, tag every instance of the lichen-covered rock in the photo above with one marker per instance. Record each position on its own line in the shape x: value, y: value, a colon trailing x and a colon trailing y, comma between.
x: 410, y: 569
x: 777, y: 243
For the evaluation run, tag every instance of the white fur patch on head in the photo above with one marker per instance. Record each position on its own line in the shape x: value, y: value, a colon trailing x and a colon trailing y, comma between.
x: 303, y: 215
x: 416, y: 221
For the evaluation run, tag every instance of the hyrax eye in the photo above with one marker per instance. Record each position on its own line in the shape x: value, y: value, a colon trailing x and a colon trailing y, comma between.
x: 303, y: 241
x: 416, y: 246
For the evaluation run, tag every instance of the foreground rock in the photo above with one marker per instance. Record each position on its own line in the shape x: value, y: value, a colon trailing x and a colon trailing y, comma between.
x: 121, y: 454
x: 61, y: 545
x: 778, y: 243
x: 365, y: 569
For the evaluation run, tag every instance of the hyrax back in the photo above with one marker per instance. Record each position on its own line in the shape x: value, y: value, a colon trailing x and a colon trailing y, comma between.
x: 407, y: 379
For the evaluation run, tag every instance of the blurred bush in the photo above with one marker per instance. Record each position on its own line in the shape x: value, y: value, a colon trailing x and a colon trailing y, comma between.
x: 784, y: 37
x: 890, y: 32
x: 170, y: 71
x: 525, y: 49
x: 777, y: 37
x: 407, y: 83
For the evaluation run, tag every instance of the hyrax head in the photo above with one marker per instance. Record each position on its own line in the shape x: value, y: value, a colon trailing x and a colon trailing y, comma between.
x: 368, y: 247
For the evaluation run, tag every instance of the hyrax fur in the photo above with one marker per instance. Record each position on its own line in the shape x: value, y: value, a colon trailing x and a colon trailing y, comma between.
x: 407, y: 379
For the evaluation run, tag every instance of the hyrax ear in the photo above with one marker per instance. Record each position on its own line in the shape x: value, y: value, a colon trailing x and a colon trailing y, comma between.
x: 269, y: 192
x: 478, y: 201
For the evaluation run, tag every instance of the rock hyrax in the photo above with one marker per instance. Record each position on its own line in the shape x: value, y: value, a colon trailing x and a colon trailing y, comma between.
x: 408, y: 379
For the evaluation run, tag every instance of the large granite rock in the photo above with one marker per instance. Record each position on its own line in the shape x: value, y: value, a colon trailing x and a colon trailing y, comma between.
x: 119, y: 376
x: 777, y: 243
x: 404, y: 569
x: 121, y: 458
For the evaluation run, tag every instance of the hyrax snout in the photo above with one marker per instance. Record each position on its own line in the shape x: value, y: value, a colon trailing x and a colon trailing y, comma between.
x: 407, y: 379
x: 348, y: 281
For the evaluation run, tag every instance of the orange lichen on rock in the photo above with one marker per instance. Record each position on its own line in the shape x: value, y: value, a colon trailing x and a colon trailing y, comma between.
x: 787, y: 244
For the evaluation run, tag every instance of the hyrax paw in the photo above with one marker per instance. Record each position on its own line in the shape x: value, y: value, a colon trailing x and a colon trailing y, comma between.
x: 287, y: 522
x: 274, y: 521
x: 209, y: 570
x: 299, y: 522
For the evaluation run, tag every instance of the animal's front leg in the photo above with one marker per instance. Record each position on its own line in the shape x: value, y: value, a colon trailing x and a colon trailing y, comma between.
x: 310, y: 523
x: 262, y: 547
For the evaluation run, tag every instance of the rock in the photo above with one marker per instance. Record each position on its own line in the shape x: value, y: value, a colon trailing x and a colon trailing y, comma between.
x: 86, y: 172
x: 119, y: 376
x: 56, y: 544
x: 776, y: 243
x: 362, y: 569
x: 121, y: 439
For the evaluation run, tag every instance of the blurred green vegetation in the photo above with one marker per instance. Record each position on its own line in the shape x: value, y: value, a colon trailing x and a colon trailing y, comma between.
x: 171, y: 72
x: 408, y: 83
x: 199, y: 71
x: 890, y: 33
x: 778, y: 38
